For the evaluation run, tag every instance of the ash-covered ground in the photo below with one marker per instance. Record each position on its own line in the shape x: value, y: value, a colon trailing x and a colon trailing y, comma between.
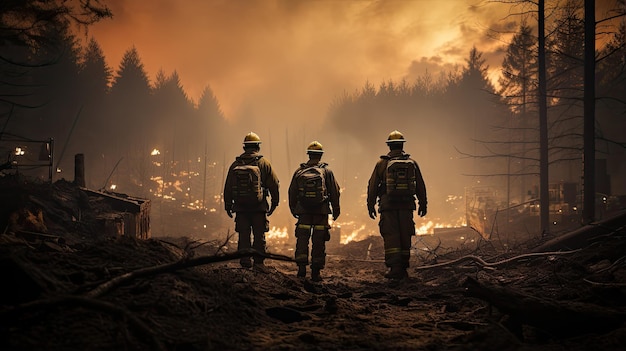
x: 99, y: 293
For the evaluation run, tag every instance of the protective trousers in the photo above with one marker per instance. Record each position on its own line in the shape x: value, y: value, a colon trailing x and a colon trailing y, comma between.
x: 316, y: 228
x: 397, y: 227
x: 257, y: 224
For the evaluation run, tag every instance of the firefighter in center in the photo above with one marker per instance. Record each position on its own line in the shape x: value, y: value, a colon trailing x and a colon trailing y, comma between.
x: 313, y: 195
x: 396, y: 183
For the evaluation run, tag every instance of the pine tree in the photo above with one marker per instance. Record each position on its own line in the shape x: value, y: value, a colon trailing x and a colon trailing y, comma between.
x: 95, y: 72
x: 130, y: 99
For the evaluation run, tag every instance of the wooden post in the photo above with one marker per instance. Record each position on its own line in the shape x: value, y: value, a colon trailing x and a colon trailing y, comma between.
x: 79, y: 170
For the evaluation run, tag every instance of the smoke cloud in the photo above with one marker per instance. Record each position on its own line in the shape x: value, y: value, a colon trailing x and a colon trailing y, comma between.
x: 284, y: 60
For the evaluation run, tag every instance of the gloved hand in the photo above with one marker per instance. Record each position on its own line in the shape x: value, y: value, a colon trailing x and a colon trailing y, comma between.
x: 422, y: 211
x: 229, y: 212
x: 272, y: 208
x: 372, y: 212
x: 336, y: 214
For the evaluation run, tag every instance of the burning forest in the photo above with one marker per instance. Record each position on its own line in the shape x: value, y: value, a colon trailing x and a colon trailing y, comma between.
x: 415, y: 175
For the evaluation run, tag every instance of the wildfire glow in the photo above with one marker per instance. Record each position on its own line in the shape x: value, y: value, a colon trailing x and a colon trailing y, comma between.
x: 352, y: 236
x: 427, y: 228
x: 277, y: 233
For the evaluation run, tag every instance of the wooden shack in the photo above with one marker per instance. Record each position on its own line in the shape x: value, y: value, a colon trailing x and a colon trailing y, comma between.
x: 121, y: 214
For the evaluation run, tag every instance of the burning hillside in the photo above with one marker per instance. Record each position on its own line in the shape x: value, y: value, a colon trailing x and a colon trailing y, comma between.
x: 71, y: 285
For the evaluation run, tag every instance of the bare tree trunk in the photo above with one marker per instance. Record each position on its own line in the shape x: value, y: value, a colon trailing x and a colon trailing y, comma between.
x: 544, y: 201
x: 589, y: 154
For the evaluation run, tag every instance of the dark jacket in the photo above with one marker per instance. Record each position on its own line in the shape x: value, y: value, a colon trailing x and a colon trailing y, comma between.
x: 331, y: 185
x: 269, y: 182
x: 376, y: 187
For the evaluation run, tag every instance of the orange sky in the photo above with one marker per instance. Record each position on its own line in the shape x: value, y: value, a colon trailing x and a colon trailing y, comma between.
x: 285, y: 59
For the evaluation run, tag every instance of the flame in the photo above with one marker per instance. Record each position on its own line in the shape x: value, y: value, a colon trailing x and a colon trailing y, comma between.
x: 277, y: 233
x: 427, y: 228
x: 278, y: 240
x: 353, y: 236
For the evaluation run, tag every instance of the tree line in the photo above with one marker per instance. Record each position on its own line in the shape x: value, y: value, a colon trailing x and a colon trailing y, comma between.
x: 52, y: 85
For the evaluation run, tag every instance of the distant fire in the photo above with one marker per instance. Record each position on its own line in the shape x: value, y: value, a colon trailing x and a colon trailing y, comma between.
x: 354, y: 235
x: 277, y: 234
x: 278, y: 239
x: 359, y: 232
x: 428, y: 227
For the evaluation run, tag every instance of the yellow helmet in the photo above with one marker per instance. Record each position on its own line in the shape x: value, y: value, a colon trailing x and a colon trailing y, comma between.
x: 252, y: 138
x: 315, y: 147
x: 395, y: 137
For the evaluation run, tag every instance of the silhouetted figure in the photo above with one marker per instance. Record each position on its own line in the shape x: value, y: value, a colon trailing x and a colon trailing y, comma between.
x: 396, y: 182
x: 249, y: 181
x: 313, y: 195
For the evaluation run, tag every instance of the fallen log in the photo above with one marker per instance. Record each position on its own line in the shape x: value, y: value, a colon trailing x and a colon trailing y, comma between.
x: 583, y: 236
x: 558, y: 318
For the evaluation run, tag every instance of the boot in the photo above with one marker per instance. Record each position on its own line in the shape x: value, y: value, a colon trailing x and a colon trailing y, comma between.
x: 301, y: 271
x: 315, y: 275
x: 397, y: 271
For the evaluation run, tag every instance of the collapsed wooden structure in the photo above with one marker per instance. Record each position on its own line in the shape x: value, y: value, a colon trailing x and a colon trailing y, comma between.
x: 129, y: 216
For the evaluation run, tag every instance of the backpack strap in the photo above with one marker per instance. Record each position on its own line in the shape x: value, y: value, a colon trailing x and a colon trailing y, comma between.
x: 253, y: 160
x: 322, y: 165
x: 401, y: 157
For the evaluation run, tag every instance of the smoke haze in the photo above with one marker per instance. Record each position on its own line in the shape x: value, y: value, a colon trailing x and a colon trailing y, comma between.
x: 303, y: 53
x: 275, y: 66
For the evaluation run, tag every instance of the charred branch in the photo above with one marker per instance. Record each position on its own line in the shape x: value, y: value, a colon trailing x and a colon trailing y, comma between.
x: 172, y: 267
x: 562, y: 319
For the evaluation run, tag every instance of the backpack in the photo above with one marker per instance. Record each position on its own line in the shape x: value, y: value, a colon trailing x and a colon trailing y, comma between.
x: 400, y: 177
x: 311, y: 183
x: 247, y: 186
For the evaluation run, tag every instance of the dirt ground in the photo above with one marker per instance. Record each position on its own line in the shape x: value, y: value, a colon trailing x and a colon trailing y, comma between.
x: 127, y: 294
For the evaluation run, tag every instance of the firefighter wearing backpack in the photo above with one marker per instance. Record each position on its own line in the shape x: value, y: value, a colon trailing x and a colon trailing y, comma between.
x: 313, y: 195
x: 249, y: 180
x: 396, y: 182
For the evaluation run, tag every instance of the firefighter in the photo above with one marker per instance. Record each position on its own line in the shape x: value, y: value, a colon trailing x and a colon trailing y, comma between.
x: 249, y: 181
x: 396, y: 182
x: 313, y: 195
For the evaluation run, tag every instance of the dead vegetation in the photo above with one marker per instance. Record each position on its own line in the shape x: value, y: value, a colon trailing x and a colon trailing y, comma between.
x: 100, y: 293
